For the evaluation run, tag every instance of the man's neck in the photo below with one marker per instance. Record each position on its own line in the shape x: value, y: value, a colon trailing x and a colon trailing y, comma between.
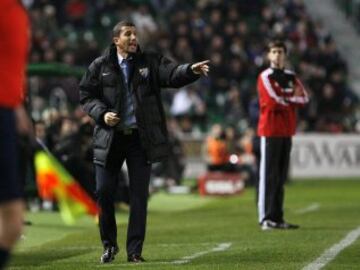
x: 276, y: 66
x: 122, y: 53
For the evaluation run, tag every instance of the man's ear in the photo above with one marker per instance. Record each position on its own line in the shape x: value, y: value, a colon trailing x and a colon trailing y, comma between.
x: 268, y: 56
x: 115, y: 39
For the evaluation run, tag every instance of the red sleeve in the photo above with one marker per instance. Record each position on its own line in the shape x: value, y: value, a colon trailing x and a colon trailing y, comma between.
x: 300, y: 97
x: 14, y: 32
x: 268, y: 97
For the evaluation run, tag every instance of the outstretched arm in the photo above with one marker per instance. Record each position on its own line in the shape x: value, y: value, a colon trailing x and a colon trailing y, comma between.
x: 173, y: 75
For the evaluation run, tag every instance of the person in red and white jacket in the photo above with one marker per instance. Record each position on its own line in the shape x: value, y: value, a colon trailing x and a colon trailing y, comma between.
x: 280, y: 94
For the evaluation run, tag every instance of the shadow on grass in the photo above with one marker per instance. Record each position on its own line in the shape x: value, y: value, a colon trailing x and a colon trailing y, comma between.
x: 43, y: 256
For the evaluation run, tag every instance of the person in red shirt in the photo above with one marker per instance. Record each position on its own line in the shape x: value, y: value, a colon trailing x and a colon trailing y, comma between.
x: 14, y: 32
x: 280, y: 94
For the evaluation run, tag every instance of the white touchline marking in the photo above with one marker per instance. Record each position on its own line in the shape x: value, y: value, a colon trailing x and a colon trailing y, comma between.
x: 186, y: 259
x: 311, y: 208
x: 332, y: 252
x: 184, y: 244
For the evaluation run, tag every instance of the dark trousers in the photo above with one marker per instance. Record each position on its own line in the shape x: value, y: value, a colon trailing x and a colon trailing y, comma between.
x: 10, y: 185
x: 273, y: 172
x: 124, y: 148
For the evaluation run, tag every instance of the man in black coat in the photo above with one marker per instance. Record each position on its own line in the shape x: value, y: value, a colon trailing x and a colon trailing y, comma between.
x: 121, y: 92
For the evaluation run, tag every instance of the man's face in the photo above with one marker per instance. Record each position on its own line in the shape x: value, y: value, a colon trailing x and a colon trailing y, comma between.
x: 277, y: 57
x: 127, y: 40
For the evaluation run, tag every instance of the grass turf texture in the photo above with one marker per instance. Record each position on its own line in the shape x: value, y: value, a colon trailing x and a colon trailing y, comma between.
x: 183, y: 225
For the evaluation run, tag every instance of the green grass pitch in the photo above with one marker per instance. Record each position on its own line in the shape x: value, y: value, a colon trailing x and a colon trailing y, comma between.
x: 193, y: 232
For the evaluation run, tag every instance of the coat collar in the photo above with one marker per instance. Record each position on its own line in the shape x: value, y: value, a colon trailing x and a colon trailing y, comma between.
x: 112, y: 58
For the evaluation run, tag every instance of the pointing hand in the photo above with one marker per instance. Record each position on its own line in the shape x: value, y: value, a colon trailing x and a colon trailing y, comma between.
x: 201, y: 68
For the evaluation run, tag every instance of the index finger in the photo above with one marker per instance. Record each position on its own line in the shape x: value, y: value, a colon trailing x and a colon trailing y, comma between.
x: 203, y: 62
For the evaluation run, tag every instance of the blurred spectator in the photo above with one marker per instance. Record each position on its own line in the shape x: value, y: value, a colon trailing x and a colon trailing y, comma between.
x: 171, y: 170
x: 145, y: 24
x: 247, y: 161
x: 187, y: 106
x: 233, y: 110
x: 76, y: 11
x: 216, y: 152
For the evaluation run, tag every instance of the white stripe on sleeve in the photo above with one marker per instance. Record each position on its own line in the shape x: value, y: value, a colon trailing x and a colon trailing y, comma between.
x: 265, y: 78
x: 300, y: 100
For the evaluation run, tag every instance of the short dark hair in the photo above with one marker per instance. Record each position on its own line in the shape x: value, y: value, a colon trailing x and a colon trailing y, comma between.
x: 276, y: 43
x: 117, y: 28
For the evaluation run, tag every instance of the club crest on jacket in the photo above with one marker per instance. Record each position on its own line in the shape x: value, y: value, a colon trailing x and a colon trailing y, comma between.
x: 144, y: 72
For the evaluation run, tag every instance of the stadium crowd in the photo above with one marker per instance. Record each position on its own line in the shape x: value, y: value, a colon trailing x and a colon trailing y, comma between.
x: 232, y: 34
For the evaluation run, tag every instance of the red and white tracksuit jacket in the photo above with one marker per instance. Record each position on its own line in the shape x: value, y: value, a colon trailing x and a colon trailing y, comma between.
x: 278, y: 102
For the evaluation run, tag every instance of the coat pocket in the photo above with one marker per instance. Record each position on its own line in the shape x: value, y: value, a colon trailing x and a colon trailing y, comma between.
x: 101, y: 138
x: 108, y: 79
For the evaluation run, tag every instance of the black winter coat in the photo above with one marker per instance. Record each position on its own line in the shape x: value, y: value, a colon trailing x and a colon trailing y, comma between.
x: 100, y: 92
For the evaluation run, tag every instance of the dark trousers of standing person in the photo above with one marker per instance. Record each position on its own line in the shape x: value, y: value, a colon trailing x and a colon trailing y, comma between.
x: 273, y: 172
x: 11, y: 188
x: 125, y: 147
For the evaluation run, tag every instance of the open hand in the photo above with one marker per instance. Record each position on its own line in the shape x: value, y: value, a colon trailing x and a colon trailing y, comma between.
x: 201, y: 68
x: 111, y: 119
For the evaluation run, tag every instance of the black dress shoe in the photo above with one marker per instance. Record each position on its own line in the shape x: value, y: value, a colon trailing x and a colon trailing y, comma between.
x: 109, y: 254
x: 270, y: 225
x: 288, y: 226
x: 136, y: 258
